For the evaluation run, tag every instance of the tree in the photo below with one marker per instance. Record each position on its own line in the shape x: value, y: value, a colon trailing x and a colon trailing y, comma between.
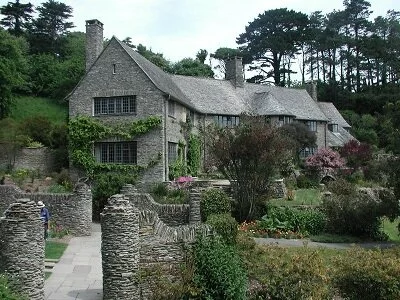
x: 192, y: 67
x: 202, y: 55
x: 51, y: 26
x: 272, y: 38
x: 325, y: 161
x: 249, y: 155
x: 356, y: 154
x: 17, y: 16
x: 156, y: 58
x: 12, y: 69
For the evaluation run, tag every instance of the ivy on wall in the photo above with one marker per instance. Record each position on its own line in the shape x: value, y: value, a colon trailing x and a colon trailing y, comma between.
x: 178, y: 167
x: 194, y: 154
x: 84, y: 131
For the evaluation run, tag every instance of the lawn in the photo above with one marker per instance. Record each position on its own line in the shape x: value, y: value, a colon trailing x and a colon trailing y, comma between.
x: 311, y: 197
x: 54, y: 250
x: 27, y: 107
x: 390, y: 228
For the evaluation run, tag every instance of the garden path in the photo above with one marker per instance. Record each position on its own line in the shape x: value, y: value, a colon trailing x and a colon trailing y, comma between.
x: 78, y: 274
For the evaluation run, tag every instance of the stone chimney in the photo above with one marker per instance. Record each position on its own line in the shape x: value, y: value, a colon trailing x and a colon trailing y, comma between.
x: 311, y: 88
x: 234, y: 71
x: 94, y: 41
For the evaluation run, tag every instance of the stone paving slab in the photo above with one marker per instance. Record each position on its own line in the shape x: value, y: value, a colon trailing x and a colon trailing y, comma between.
x: 78, y: 274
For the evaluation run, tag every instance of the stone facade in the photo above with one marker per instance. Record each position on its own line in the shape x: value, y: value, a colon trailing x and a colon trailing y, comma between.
x: 71, y: 211
x: 22, y: 248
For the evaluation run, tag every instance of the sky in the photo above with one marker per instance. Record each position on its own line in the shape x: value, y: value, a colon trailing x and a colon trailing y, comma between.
x: 179, y: 28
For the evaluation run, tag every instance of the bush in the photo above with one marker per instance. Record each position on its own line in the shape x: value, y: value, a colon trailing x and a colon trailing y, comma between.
x: 280, y: 274
x: 218, y: 270
x: 225, y: 225
x: 304, y: 182
x: 369, y: 275
x: 214, y: 201
x: 377, y: 171
x: 308, y: 221
x: 37, y: 128
x: 5, y: 292
x: 169, y: 195
x: 359, y: 212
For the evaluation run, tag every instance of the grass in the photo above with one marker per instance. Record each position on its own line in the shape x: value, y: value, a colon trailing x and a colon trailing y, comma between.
x: 26, y: 107
x: 390, y: 228
x: 310, y: 197
x: 54, y: 250
x: 335, y: 238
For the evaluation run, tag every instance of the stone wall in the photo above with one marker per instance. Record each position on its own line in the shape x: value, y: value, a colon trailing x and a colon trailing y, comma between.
x: 71, y: 211
x: 22, y: 248
x: 161, y: 247
x: 41, y: 159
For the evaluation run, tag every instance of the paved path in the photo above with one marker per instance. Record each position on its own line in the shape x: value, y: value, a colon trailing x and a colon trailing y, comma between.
x: 300, y: 243
x: 78, y: 274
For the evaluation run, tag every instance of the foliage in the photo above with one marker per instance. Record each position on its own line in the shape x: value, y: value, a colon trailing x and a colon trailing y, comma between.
x: 6, y: 292
x: 214, y: 201
x: 218, y: 270
x: 38, y: 128
x: 356, y: 154
x: 178, y: 168
x: 359, y: 212
x: 249, y: 155
x: 325, y: 160
x: 299, y: 133
x: 194, y: 154
x: 170, y: 194
x: 305, y: 182
x: 278, y: 273
x: 12, y: 69
x: 282, y: 33
x: 83, y: 131
x: 306, y: 221
x: 56, y: 230
x: 16, y: 17
x: 156, y: 58
x: 377, y: 170
x: 192, y: 67
x: 222, y: 55
x: 106, y: 184
x: 224, y: 225
x: 368, y: 275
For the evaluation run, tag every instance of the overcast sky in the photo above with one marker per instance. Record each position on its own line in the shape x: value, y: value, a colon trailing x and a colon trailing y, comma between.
x: 179, y: 28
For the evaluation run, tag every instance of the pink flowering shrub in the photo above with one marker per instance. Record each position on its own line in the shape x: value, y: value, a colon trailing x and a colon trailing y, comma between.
x: 182, y: 182
x: 326, y: 160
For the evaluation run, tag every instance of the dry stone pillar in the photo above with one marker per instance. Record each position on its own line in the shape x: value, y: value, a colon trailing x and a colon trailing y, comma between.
x: 120, y: 249
x: 22, y: 248
x: 194, y: 206
x: 83, y: 223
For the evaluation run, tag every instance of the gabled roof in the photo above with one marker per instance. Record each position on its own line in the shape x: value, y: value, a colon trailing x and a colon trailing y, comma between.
x: 264, y: 103
x: 332, y: 114
x: 338, y: 139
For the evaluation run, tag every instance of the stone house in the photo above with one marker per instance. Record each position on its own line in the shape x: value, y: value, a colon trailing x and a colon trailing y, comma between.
x: 121, y: 85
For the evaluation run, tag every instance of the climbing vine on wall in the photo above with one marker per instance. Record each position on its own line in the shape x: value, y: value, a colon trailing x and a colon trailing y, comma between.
x: 178, y: 167
x: 194, y: 154
x: 84, y: 131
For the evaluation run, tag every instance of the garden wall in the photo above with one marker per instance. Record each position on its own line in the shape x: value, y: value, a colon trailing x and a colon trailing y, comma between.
x: 70, y: 211
x: 163, y: 239
x: 41, y: 159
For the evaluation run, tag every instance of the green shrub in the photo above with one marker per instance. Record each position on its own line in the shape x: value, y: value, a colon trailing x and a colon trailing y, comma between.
x: 214, y: 201
x: 63, y: 179
x: 341, y: 187
x: 305, y: 182
x: 367, y: 274
x: 38, y: 128
x: 309, y: 221
x: 218, y: 270
x: 225, y: 225
x: 359, y: 213
x: 377, y: 171
x: 280, y: 274
x: 105, y: 185
x: 5, y: 292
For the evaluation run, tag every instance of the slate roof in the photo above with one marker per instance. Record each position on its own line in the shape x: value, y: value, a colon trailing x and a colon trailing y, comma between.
x: 338, y: 139
x: 333, y: 114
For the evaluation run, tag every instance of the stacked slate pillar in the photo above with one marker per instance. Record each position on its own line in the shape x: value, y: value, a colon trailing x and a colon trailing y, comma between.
x: 194, y: 206
x: 22, y: 248
x: 83, y: 224
x: 120, y: 249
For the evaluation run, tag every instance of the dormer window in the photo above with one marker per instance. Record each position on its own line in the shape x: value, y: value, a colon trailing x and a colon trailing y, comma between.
x: 333, y: 127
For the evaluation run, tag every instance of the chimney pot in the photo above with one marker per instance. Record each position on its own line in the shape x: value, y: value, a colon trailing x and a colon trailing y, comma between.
x: 94, y: 41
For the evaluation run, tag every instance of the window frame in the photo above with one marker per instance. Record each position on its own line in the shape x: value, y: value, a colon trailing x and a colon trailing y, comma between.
x: 121, y: 152
x: 312, y: 125
x: 229, y: 121
x: 115, y: 105
x: 172, y: 152
x: 171, y: 109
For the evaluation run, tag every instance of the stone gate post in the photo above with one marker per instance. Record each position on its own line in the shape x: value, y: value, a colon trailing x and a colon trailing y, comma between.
x: 120, y: 249
x: 194, y: 206
x: 22, y: 248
